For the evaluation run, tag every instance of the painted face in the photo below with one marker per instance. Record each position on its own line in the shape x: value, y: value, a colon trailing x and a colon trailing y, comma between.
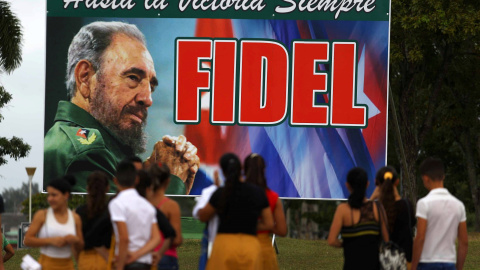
x: 122, y: 90
x: 56, y: 199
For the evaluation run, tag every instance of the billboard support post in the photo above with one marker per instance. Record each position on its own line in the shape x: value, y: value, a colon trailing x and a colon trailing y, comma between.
x: 30, y: 172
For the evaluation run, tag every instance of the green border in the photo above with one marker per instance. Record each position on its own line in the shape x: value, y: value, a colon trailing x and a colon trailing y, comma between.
x: 55, y: 8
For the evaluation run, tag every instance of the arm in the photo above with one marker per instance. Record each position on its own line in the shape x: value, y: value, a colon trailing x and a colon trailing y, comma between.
x: 206, y: 213
x: 419, y: 241
x: 149, y: 246
x: 174, y: 219
x: 375, y: 194
x: 280, y: 227
x: 76, y: 240
x: 462, y: 244
x: 266, y: 221
x: 335, y: 228
x: 31, y: 238
x: 158, y: 254
x: 9, y: 252
x: 122, y: 245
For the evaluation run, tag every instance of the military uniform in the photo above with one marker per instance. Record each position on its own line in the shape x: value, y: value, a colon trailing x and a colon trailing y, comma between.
x: 77, y: 144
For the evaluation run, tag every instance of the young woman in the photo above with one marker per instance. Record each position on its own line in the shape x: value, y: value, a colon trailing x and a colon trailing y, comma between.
x: 358, y: 222
x: 58, y: 228
x: 239, y: 206
x: 170, y: 208
x: 255, y: 174
x: 96, y: 224
x: 145, y: 187
x: 400, y: 214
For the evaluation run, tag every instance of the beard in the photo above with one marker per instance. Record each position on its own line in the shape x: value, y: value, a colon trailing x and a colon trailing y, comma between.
x: 104, y: 110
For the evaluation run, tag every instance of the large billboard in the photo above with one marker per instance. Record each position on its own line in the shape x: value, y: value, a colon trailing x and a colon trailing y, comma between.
x: 302, y: 83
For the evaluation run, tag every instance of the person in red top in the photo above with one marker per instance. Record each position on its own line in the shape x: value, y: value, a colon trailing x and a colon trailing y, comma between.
x: 254, y: 166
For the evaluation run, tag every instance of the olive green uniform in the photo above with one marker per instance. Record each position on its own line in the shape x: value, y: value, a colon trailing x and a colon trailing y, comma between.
x: 77, y: 144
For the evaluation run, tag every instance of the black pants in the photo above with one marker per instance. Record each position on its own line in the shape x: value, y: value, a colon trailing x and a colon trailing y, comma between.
x: 137, y: 266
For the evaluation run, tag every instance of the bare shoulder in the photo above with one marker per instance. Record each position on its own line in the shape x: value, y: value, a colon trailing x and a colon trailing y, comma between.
x: 76, y: 217
x: 40, y: 215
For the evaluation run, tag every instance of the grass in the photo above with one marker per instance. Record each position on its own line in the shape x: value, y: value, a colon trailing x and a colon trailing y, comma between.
x: 294, y: 254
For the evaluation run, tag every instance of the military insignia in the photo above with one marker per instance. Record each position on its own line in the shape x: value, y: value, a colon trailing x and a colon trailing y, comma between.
x: 83, y: 133
x: 90, y: 139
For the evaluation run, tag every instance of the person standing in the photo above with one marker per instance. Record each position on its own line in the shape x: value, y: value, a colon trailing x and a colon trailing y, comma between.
x: 441, y: 220
x: 145, y: 187
x: 96, y: 225
x: 9, y: 251
x: 254, y: 166
x: 400, y: 214
x: 360, y: 224
x: 134, y: 222
x: 56, y: 229
x: 243, y: 210
x: 170, y: 208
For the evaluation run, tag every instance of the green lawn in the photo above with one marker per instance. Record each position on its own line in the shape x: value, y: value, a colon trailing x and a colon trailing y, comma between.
x: 294, y: 254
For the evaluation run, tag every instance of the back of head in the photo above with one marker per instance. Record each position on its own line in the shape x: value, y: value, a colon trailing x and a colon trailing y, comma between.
x: 433, y: 168
x: 144, y: 182
x: 357, y: 178
x: 232, y: 169
x: 126, y: 174
x: 97, y: 187
x: 254, y: 166
x: 91, y: 42
x: 64, y: 184
x: 159, y: 175
x: 386, y: 178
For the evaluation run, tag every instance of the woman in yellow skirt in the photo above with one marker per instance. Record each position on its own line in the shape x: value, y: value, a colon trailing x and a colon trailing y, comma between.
x: 239, y: 206
x: 254, y: 166
x: 96, y: 225
x: 58, y: 228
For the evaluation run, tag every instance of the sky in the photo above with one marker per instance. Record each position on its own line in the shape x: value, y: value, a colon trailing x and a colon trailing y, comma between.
x: 24, y: 114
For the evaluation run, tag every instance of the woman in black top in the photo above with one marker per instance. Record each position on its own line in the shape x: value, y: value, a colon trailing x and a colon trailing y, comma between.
x: 359, y: 224
x: 400, y: 214
x: 96, y: 225
x: 239, y: 206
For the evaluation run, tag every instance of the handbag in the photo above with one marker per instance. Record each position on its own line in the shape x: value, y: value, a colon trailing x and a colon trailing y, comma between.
x: 391, y: 256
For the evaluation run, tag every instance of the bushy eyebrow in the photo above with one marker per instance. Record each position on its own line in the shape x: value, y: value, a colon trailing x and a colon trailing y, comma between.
x: 140, y: 72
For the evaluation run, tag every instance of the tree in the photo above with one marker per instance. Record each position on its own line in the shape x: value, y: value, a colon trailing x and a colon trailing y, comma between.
x: 433, y: 42
x: 39, y: 201
x: 10, y: 59
x: 13, y: 198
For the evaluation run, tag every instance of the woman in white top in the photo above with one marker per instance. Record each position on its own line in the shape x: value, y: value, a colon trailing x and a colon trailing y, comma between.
x: 56, y: 230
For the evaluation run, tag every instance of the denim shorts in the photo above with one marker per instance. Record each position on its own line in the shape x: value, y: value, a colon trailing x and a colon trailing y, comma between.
x: 168, y: 263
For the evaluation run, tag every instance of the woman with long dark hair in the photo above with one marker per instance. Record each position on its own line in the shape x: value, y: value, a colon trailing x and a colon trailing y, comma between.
x: 254, y: 167
x: 239, y: 206
x: 146, y: 188
x: 359, y: 223
x: 170, y: 208
x: 56, y: 229
x: 400, y: 214
x: 96, y: 224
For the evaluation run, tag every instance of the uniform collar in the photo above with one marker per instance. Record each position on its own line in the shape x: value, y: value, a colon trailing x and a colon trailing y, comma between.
x: 70, y: 112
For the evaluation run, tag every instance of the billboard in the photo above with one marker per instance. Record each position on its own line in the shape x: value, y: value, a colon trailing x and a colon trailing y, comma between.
x: 302, y: 83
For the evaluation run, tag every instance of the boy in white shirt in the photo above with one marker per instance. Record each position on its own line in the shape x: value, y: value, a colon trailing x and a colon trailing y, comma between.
x: 441, y: 219
x: 131, y: 214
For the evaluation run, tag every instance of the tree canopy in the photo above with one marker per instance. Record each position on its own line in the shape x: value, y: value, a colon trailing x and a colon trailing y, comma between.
x: 10, y: 59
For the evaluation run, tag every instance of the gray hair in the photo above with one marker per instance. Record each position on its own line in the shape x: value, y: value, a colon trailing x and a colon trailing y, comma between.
x: 91, y: 42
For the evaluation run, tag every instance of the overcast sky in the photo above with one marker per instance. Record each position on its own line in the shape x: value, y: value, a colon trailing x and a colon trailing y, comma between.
x: 24, y: 114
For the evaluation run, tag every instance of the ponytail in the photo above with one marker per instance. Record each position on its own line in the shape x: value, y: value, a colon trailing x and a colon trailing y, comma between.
x: 357, y: 178
x: 386, y: 178
x: 97, y: 187
x: 231, y: 168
